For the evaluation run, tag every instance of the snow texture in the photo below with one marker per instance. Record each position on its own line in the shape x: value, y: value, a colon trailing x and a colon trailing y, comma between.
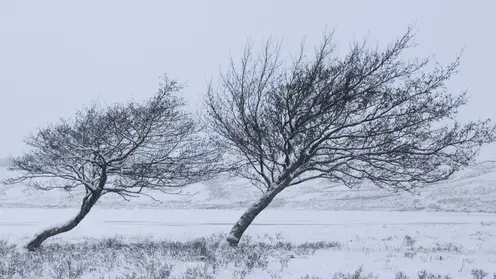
x: 383, y: 232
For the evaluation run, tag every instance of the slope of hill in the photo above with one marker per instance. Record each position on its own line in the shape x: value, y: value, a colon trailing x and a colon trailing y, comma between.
x: 473, y: 190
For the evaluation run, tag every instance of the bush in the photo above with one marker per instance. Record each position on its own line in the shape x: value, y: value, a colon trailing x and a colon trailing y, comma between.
x: 146, y: 259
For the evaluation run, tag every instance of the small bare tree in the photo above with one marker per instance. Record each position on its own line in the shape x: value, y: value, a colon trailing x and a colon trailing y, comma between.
x: 368, y: 116
x: 121, y: 149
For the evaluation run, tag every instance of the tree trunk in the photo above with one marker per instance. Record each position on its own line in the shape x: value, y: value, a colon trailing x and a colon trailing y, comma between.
x: 247, y: 218
x: 88, y: 202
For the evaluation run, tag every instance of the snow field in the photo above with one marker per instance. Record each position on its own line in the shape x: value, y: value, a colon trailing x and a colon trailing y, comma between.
x: 382, y: 243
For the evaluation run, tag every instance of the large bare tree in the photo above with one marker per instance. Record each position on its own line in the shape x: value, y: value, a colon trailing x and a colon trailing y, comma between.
x: 370, y: 115
x: 121, y: 149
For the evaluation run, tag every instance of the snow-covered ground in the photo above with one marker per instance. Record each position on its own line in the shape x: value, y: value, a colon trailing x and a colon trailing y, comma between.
x: 381, y: 231
x: 384, y: 243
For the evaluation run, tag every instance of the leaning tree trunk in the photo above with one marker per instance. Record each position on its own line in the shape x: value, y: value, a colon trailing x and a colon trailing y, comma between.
x: 247, y: 218
x: 88, y: 202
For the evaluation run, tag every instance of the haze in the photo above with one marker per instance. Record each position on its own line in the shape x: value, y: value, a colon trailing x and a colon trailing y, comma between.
x: 56, y: 56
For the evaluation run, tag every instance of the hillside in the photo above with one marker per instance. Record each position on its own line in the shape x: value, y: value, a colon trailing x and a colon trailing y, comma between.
x: 473, y: 190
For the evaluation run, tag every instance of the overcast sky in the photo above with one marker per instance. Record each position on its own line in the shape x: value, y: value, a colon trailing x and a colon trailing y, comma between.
x: 56, y: 56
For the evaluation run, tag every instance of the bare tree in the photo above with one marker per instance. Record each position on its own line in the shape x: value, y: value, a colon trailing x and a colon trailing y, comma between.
x: 368, y: 116
x: 121, y: 149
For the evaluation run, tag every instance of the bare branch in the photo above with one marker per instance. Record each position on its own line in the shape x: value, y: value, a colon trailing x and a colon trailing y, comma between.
x: 368, y: 116
x: 153, y: 145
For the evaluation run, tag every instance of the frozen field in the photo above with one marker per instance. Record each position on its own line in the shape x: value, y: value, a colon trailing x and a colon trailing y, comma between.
x: 384, y: 243
x: 381, y: 232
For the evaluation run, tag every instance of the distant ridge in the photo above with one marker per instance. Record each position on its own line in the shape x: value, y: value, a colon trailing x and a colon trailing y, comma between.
x: 471, y: 190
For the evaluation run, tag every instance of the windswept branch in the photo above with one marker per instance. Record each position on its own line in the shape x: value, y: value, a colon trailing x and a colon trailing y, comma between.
x: 126, y: 149
x: 368, y: 116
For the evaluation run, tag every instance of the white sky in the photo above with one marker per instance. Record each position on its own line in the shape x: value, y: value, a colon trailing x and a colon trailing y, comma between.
x: 56, y: 56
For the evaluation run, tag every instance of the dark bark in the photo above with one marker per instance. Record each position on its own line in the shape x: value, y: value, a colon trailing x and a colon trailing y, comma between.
x: 247, y: 218
x: 88, y: 202
x: 369, y: 116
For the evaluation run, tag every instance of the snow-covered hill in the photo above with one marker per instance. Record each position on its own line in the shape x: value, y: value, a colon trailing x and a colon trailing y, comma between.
x: 473, y: 190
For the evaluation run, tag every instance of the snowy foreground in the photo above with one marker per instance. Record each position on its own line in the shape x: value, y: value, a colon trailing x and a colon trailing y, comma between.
x: 337, y: 230
x: 383, y: 243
